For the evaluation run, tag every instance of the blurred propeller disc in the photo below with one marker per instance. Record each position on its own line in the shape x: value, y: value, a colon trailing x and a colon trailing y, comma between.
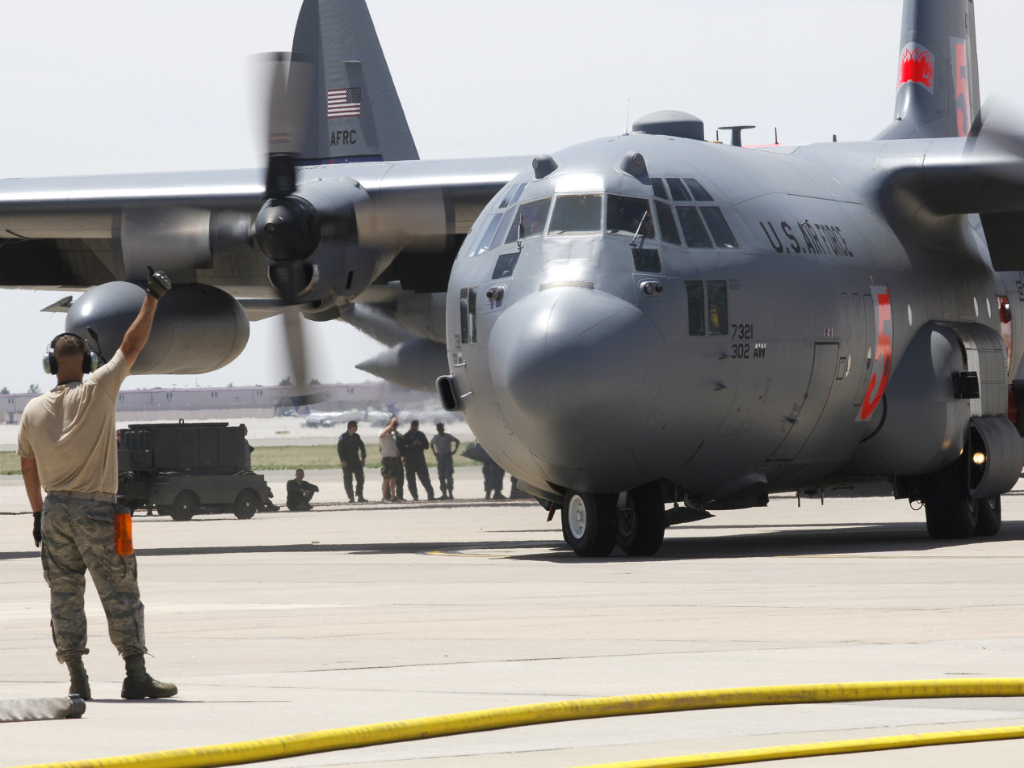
x: 1002, y: 126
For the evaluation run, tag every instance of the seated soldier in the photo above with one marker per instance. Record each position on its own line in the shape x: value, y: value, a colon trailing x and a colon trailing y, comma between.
x: 299, y: 492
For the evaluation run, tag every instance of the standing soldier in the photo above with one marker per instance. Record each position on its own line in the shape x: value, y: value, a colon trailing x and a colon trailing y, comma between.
x: 68, y: 447
x: 390, y: 460
x: 444, y: 447
x: 352, y: 453
x: 415, y: 443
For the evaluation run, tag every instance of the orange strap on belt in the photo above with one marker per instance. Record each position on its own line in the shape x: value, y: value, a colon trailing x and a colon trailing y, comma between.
x: 123, y: 526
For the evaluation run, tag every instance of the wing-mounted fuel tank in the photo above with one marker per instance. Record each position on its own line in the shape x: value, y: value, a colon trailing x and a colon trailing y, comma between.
x: 950, y: 374
x: 197, y: 328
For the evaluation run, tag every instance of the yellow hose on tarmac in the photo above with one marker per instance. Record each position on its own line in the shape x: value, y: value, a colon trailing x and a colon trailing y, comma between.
x: 764, y: 754
x: 294, y: 745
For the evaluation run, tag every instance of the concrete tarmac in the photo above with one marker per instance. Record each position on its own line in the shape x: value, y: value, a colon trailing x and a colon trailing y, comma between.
x: 349, y: 615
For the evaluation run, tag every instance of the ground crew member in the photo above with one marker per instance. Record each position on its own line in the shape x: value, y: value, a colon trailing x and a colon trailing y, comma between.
x: 444, y: 447
x: 494, y: 478
x: 415, y: 443
x: 390, y: 460
x: 68, y: 447
x: 352, y: 453
x: 299, y: 492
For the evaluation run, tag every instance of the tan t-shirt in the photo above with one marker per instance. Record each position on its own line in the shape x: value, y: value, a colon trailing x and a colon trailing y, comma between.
x: 70, y: 432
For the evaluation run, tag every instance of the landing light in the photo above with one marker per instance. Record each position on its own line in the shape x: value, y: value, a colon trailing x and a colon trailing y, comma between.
x: 979, y: 458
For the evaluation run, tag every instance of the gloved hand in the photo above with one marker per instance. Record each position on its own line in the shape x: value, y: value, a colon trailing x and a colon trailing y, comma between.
x: 37, y: 528
x: 159, y: 284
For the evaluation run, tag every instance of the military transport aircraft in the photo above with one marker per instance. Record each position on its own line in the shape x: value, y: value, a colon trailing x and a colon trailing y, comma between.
x: 633, y: 320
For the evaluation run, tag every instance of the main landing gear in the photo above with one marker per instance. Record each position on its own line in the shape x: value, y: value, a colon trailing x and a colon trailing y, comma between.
x: 592, y: 523
x: 949, y: 509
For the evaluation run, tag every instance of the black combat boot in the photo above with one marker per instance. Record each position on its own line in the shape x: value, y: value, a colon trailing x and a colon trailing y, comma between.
x: 139, y: 685
x: 79, y: 679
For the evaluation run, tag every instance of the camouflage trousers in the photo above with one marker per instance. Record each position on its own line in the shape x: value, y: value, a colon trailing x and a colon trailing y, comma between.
x: 78, y: 535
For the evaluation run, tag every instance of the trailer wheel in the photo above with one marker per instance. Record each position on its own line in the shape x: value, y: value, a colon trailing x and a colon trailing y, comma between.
x: 246, y: 503
x: 185, y: 506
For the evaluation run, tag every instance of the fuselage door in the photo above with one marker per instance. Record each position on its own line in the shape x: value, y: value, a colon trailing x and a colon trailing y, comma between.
x: 805, y: 414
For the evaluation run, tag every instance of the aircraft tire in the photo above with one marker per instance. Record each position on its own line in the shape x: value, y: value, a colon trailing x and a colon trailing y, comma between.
x: 186, y: 504
x: 990, y: 516
x: 588, y: 523
x: 949, y: 510
x: 642, y: 531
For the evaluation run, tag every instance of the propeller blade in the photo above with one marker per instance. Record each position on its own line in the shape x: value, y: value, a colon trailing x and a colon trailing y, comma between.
x: 296, y: 354
x: 1002, y: 126
x: 290, y: 80
x: 296, y: 341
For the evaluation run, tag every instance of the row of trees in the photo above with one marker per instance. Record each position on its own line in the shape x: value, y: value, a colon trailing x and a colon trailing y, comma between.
x: 32, y: 388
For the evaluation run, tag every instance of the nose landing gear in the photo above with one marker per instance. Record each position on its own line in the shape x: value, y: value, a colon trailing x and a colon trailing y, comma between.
x: 588, y: 523
x: 641, y: 529
x: 591, y: 524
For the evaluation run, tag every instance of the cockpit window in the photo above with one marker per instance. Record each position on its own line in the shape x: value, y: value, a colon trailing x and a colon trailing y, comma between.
x: 512, y: 195
x: 484, y: 243
x: 659, y: 188
x: 719, y: 227
x: 530, y: 218
x: 700, y: 194
x: 503, y: 227
x: 626, y: 215
x: 678, y: 191
x: 576, y: 213
x: 694, y: 232
x: 667, y: 223
x: 505, y: 265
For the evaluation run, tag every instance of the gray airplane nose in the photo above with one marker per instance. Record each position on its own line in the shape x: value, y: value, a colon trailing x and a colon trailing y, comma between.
x: 578, y: 373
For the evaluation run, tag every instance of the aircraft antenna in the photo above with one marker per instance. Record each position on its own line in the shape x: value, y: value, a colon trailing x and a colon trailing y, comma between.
x: 625, y: 131
x: 776, y: 136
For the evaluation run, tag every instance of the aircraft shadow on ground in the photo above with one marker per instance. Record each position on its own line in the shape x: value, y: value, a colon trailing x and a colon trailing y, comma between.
x: 798, y: 540
x: 792, y: 541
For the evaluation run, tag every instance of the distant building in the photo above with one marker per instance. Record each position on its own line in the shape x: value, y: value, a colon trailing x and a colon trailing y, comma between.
x: 236, y: 402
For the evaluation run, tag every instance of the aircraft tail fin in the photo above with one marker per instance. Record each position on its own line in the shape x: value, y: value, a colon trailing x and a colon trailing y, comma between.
x: 355, y: 113
x: 937, y: 85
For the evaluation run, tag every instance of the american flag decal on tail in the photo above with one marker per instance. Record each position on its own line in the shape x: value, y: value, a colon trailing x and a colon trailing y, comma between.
x: 344, y: 102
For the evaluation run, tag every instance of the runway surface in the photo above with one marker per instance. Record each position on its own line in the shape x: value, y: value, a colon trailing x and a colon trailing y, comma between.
x: 349, y: 615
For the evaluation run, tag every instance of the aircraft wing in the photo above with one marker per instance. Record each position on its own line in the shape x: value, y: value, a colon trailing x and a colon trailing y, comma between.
x: 983, y: 175
x: 975, y: 176
x: 80, y: 232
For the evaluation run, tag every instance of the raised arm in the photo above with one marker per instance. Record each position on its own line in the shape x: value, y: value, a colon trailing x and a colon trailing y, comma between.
x: 138, y: 333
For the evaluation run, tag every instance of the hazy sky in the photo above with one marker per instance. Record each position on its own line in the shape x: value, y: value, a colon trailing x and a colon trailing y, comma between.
x: 90, y: 87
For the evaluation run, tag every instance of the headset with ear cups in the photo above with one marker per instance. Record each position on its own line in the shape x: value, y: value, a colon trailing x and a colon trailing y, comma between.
x: 90, y: 361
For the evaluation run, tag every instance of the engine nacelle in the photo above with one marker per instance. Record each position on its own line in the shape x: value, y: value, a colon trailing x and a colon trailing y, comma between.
x: 197, y: 328
x: 926, y: 421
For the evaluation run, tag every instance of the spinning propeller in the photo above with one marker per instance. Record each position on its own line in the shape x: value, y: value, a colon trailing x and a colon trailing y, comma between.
x: 287, y: 228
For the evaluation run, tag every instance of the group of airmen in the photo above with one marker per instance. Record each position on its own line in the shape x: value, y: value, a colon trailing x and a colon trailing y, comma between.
x: 403, y: 462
